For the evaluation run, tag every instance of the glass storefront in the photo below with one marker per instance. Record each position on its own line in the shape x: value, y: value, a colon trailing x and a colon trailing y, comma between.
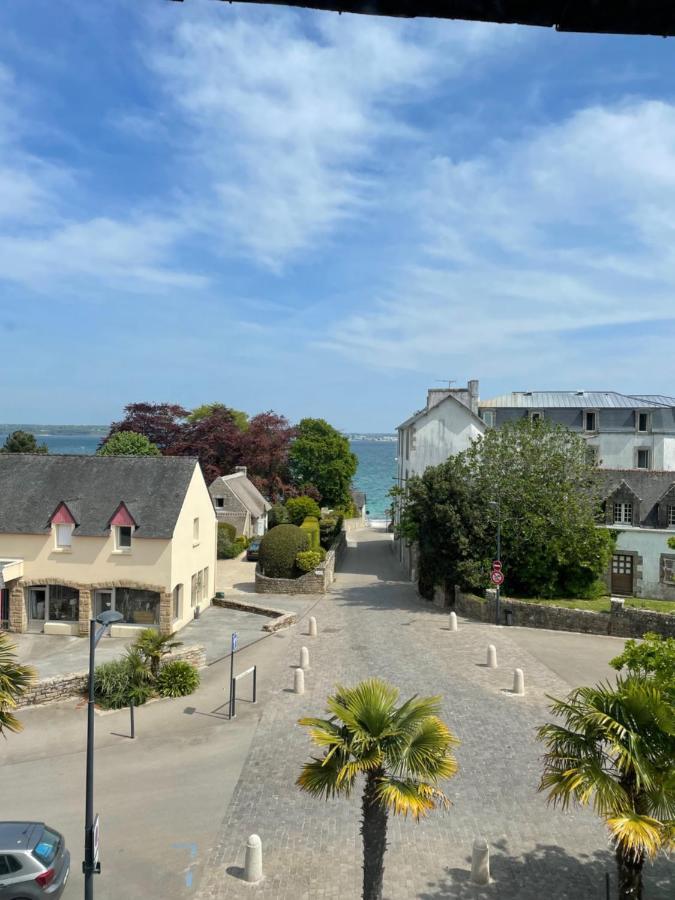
x: 138, y: 607
x: 64, y: 603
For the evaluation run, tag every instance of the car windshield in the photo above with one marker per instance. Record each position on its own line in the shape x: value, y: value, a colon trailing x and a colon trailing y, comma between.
x: 47, y: 847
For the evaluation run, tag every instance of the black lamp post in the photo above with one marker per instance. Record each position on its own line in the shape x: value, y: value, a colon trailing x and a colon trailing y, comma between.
x: 90, y: 866
x: 499, y: 555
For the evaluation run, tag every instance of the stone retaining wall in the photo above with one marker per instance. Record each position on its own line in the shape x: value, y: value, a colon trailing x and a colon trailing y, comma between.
x: 280, y: 617
x: 316, y: 582
x: 74, y: 684
x: 621, y: 621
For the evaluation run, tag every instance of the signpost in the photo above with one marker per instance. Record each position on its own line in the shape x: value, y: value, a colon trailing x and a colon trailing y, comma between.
x: 235, y: 644
x: 497, y: 578
x: 96, y: 834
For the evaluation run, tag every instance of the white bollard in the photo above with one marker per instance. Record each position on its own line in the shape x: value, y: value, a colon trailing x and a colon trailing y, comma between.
x: 313, y: 631
x: 480, y: 862
x: 299, y: 682
x: 492, y: 656
x: 453, y: 621
x: 304, y: 658
x: 253, y: 862
x: 518, y: 682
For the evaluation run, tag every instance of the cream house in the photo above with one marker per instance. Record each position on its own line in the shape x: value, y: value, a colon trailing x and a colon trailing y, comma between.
x: 82, y: 534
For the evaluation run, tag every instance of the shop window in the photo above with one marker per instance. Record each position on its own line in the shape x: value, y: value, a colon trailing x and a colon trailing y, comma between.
x: 64, y: 603
x: 138, y: 607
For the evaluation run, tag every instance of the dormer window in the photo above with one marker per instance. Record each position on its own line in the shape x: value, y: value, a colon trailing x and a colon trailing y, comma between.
x: 64, y: 536
x: 623, y: 513
x: 536, y: 415
x: 63, y: 523
x: 643, y: 422
x: 220, y: 502
x: 123, y: 537
x: 590, y: 420
x: 488, y: 416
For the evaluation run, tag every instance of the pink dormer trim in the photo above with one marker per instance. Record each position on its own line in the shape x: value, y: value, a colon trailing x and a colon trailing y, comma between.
x: 62, y: 516
x: 122, y: 517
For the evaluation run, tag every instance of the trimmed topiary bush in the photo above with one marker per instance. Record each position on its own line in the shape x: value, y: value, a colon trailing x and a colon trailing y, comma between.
x: 311, y: 527
x: 328, y: 528
x: 177, y: 679
x: 278, y: 515
x: 278, y: 550
x: 299, y: 508
x: 308, y: 560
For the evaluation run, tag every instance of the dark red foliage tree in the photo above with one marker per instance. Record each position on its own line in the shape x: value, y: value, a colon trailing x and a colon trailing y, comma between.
x: 264, y: 446
x: 161, y: 423
x: 215, y: 440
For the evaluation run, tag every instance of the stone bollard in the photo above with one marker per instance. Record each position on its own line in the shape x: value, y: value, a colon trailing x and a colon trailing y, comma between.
x: 304, y: 658
x: 518, y: 682
x: 492, y: 656
x: 480, y: 862
x: 313, y: 631
x: 253, y: 862
x: 453, y: 621
x: 299, y: 682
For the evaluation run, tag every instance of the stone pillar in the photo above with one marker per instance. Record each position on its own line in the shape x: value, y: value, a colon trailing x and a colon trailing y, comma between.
x: 165, y: 612
x: 18, y: 615
x: 85, y: 612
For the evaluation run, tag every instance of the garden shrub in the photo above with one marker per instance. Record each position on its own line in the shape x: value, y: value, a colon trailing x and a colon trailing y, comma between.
x: 311, y: 528
x: 228, y: 529
x: 227, y: 535
x: 278, y: 515
x: 120, y: 681
x: 298, y: 508
x: 177, y: 679
x: 278, y: 550
x: 231, y: 549
x: 307, y: 560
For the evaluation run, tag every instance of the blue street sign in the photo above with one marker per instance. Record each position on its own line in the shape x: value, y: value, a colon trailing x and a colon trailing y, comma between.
x: 235, y: 641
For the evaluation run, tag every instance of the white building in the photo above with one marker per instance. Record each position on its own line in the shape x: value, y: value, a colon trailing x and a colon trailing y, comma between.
x: 623, y: 431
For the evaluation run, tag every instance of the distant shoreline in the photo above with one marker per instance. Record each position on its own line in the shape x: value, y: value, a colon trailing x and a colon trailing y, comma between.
x: 55, y: 430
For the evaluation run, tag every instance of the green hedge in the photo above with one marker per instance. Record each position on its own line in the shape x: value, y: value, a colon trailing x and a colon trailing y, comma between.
x: 329, y: 528
x: 278, y: 515
x: 299, y: 508
x: 278, y: 550
x: 227, y: 529
x: 311, y: 528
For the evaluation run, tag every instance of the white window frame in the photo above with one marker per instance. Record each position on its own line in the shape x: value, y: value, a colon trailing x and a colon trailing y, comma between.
x: 413, y: 439
x: 536, y: 415
x: 648, y: 451
x: 596, y: 420
x: 177, y: 602
x: 195, y: 531
x: 670, y: 516
x: 119, y: 546
x: 648, y: 416
x: 488, y: 416
x: 59, y: 531
x: 622, y: 513
x: 667, y: 569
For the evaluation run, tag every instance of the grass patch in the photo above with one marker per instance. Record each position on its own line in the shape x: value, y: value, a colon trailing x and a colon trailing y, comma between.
x: 601, y: 604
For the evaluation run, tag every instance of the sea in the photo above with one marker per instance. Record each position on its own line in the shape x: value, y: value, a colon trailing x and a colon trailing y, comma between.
x: 375, y: 474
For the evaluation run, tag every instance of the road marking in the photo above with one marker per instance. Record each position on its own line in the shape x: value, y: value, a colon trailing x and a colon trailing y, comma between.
x: 193, y: 854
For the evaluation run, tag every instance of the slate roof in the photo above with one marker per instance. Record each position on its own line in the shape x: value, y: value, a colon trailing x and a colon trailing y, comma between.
x: 647, y: 484
x: 247, y: 493
x: 152, y: 487
x: 576, y: 400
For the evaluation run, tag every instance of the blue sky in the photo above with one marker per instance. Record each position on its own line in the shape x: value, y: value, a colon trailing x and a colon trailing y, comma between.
x: 323, y: 214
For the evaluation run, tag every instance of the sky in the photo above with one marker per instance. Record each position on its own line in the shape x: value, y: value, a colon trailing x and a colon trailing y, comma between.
x: 326, y: 215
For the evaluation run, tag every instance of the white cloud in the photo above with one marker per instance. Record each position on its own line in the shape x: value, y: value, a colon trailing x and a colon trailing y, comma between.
x: 569, y: 228
x: 288, y: 113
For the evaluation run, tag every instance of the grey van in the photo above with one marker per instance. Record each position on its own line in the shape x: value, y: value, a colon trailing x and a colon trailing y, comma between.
x: 34, y: 862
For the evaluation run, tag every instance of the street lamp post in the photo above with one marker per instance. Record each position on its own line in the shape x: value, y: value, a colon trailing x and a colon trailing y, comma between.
x: 90, y: 866
x: 499, y: 556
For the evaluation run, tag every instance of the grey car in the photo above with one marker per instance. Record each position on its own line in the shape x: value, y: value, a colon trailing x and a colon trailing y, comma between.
x: 34, y: 862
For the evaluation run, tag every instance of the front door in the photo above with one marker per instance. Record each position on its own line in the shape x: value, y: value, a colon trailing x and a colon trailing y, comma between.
x: 622, y: 574
x: 102, y: 602
x: 37, y: 608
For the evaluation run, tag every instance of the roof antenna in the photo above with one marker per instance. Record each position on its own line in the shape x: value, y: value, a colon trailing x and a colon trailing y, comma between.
x: 448, y: 381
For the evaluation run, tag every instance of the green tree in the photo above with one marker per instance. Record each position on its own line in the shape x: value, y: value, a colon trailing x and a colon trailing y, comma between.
x: 403, y: 752
x: 207, y: 409
x: 654, y: 657
x: 615, y: 749
x: 128, y: 443
x: 15, y: 680
x: 23, y: 442
x: 536, y: 477
x: 298, y: 508
x: 321, y: 456
x: 153, y: 647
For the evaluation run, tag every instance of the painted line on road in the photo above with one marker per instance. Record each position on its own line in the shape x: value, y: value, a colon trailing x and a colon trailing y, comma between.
x: 193, y: 854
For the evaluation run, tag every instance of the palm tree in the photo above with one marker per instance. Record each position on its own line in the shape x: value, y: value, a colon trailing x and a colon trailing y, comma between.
x: 153, y: 646
x: 403, y: 751
x: 15, y: 680
x: 616, y: 751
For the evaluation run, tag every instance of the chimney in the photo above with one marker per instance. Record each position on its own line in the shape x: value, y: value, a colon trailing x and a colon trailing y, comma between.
x: 473, y: 395
x: 240, y: 469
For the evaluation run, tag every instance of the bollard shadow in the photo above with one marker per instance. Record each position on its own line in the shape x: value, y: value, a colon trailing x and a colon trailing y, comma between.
x: 119, y: 734
x: 545, y: 871
x: 236, y: 872
x: 214, y: 714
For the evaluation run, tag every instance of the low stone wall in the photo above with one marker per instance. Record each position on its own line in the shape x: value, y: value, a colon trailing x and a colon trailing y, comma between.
x: 280, y: 617
x: 316, y: 582
x: 74, y: 684
x: 621, y: 621
x: 353, y: 524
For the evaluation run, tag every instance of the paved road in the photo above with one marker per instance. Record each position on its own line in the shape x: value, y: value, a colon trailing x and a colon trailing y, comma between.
x: 374, y: 624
